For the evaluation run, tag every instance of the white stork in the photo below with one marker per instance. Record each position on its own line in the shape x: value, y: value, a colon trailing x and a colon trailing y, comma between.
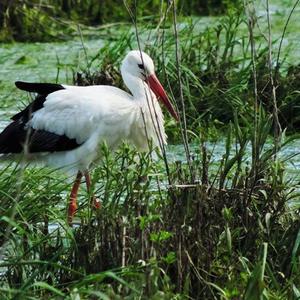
x: 65, y: 125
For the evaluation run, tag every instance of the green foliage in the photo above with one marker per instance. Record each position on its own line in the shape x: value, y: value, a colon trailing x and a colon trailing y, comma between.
x: 255, y: 287
x: 48, y: 20
x: 216, y: 74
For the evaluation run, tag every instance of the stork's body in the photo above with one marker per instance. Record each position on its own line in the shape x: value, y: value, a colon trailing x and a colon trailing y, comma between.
x: 65, y: 125
x: 93, y: 115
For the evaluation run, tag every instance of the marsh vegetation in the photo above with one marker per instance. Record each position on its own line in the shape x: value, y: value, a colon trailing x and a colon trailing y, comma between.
x: 218, y: 215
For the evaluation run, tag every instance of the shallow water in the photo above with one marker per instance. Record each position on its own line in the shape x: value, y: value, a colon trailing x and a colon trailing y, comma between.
x: 290, y: 154
x: 279, y: 12
x: 44, y: 61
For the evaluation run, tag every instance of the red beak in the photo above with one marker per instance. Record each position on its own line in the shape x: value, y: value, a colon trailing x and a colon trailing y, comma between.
x: 160, y: 93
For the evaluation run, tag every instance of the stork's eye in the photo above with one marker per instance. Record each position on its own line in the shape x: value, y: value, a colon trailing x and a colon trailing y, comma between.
x: 141, y: 66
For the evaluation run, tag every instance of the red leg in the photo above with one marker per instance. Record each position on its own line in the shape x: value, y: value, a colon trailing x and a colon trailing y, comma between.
x: 96, y: 202
x: 73, y: 198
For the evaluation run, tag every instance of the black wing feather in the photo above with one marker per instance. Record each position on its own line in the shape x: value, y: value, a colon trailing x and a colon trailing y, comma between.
x: 45, y: 141
x: 14, y: 137
x: 25, y: 114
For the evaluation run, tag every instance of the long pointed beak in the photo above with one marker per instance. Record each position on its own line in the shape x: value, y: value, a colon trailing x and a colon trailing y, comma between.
x: 160, y: 93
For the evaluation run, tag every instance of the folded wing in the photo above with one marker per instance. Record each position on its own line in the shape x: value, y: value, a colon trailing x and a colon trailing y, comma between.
x: 67, y: 117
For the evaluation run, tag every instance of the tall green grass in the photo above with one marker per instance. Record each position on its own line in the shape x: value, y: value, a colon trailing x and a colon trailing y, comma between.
x: 153, y: 239
x: 216, y: 71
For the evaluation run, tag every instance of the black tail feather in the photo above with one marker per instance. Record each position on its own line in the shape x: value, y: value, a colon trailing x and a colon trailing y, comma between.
x: 40, y: 88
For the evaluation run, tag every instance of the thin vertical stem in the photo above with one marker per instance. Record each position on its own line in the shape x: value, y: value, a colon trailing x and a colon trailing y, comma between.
x: 183, y: 119
x: 123, y: 262
x: 281, y: 39
x: 251, y: 21
x: 277, y: 126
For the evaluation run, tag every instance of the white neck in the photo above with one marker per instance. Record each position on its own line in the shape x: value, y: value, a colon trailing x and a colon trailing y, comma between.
x: 153, y: 117
x: 139, y: 90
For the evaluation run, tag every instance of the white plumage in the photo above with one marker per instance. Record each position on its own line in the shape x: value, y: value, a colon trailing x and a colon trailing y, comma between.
x: 93, y: 115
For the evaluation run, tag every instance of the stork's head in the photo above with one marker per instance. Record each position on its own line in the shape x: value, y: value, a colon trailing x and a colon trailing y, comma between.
x: 140, y: 65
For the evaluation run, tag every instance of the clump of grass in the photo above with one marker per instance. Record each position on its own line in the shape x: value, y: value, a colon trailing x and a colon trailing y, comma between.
x: 157, y: 239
